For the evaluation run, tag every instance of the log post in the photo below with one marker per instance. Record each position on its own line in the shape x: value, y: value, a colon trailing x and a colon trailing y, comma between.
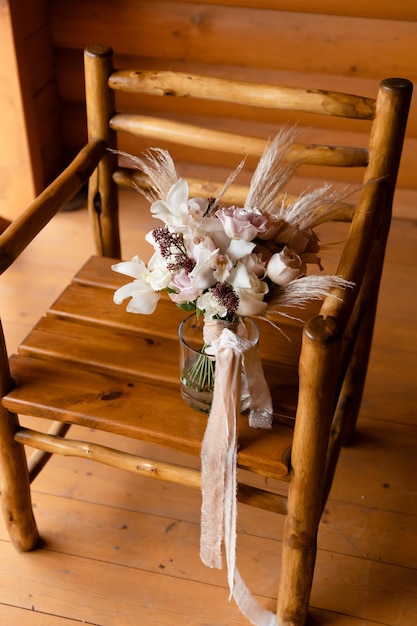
x: 14, y: 477
x: 318, y: 379
x: 102, y: 192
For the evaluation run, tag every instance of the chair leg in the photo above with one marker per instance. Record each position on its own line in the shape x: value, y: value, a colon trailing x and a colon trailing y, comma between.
x: 15, y: 486
x: 354, y: 383
x: 298, y: 559
x: 350, y: 397
x: 299, y: 545
x: 318, y: 379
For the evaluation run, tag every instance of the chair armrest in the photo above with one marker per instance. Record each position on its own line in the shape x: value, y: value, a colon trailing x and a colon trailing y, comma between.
x: 25, y: 227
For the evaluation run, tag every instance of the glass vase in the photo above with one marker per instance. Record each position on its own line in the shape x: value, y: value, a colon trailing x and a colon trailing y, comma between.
x: 198, y: 366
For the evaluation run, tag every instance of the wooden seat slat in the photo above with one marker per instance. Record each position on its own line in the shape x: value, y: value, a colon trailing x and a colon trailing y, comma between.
x: 97, y: 271
x: 86, y: 303
x: 139, y: 355
x: 134, y: 408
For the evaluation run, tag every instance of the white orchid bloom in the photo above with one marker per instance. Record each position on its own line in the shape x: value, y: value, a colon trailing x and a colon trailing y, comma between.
x: 178, y: 211
x: 199, y: 247
x: 250, y: 289
x: 213, y: 227
x: 197, y: 207
x: 143, y: 298
x: 239, y: 248
x: 203, y: 251
x: 202, y: 276
x: 222, y: 266
x: 159, y: 275
x: 174, y: 210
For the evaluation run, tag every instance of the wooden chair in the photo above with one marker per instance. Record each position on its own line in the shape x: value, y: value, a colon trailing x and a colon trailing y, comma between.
x: 101, y: 368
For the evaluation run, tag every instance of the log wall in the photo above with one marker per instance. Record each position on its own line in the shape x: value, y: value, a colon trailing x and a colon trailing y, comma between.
x: 349, y: 46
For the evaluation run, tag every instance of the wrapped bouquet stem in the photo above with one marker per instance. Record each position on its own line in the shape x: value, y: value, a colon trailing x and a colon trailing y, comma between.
x: 198, y: 359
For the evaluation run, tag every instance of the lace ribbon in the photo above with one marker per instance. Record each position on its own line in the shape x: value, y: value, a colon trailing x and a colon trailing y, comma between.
x: 219, y: 461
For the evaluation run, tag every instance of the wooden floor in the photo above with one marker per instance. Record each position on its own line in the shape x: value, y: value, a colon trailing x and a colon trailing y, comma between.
x: 120, y: 550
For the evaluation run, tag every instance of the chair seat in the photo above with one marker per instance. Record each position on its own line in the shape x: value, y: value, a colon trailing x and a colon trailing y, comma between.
x: 89, y: 362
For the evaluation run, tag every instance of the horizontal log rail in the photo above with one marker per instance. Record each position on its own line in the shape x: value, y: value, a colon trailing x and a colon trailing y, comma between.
x: 184, y: 85
x: 243, y: 145
x: 39, y: 458
x: 159, y: 470
x: 236, y: 194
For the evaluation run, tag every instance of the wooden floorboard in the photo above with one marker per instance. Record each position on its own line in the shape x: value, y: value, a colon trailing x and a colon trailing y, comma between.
x: 123, y: 550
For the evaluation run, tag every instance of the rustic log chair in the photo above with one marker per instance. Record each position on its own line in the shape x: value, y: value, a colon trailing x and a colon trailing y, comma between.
x: 99, y: 367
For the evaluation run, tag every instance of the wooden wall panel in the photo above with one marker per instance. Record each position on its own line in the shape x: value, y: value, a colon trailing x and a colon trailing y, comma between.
x: 349, y: 45
x: 402, y: 10
x: 15, y: 158
x: 38, y: 47
x: 203, y: 33
x: 35, y: 135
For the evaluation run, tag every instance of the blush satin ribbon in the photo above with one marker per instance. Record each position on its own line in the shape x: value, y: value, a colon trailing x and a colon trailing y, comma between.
x: 219, y: 461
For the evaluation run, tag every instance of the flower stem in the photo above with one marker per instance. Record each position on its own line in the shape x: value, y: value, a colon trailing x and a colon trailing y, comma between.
x: 200, y: 374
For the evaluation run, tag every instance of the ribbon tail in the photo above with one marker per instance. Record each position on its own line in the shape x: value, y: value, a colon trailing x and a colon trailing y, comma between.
x: 260, y: 415
x: 256, y: 614
x: 218, y: 456
x: 219, y: 472
x: 230, y: 503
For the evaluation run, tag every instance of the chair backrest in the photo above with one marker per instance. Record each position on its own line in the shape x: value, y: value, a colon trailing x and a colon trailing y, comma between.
x: 383, y: 119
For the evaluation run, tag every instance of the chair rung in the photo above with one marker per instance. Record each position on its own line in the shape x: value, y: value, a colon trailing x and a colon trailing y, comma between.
x: 169, y: 472
x: 170, y: 84
x: 242, y: 145
x: 108, y: 456
x: 235, y: 194
x: 39, y: 458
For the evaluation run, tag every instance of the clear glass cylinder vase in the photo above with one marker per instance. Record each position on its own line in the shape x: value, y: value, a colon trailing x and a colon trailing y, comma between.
x: 198, y: 366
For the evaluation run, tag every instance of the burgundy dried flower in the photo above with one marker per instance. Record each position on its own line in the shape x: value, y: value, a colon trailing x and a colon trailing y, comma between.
x: 226, y: 295
x: 172, y: 248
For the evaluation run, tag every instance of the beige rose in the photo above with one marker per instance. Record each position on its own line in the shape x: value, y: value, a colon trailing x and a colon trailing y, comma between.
x: 285, y: 266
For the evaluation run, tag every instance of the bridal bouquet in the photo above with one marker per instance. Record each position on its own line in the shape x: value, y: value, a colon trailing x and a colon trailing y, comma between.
x: 228, y: 262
